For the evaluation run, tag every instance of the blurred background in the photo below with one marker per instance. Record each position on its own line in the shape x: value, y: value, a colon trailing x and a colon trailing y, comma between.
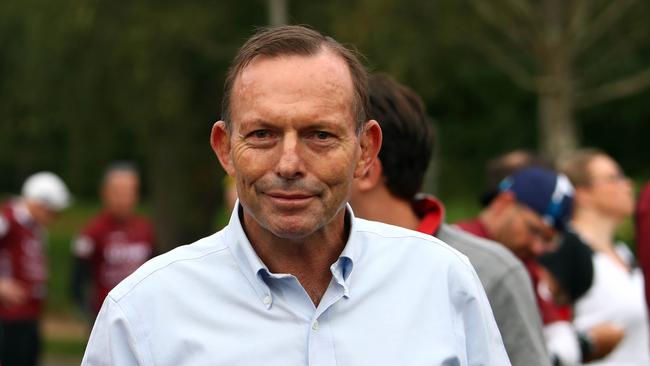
x: 87, y: 82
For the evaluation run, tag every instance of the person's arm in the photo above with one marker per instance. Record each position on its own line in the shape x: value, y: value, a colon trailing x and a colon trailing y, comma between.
x: 12, y: 293
x: 78, y: 282
x: 83, y: 248
x: 113, y: 340
x: 599, y: 341
x: 484, y: 345
x: 517, y: 316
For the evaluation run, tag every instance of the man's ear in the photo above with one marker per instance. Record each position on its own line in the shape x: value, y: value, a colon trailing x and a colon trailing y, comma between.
x: 581, y: 196
x: 372, y: 178
x: 502, y: 201
x: 220, y: 142
x: 370, y: 140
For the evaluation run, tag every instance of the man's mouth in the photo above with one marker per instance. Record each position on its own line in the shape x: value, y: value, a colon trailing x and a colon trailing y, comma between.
x: 292, y: 199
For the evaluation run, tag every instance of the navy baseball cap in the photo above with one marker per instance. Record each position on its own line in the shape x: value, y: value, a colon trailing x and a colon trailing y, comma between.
x: 544, y: 191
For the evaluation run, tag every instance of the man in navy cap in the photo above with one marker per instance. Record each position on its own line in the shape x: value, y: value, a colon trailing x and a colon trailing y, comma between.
x: 530, y: 207
x: 525, y: 214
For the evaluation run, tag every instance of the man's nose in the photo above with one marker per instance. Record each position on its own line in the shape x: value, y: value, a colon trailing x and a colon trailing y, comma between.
x: 290, y: 164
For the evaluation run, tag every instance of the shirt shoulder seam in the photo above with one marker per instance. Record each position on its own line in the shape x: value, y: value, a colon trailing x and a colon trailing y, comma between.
x: 118, y: 297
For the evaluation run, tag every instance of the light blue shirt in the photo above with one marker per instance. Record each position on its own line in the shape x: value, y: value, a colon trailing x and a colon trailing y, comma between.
x: 397, y: 297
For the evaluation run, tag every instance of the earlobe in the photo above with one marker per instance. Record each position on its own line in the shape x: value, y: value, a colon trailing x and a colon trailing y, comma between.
x: 372, y: 178
x: 220, y: 142
x: 370, y: 141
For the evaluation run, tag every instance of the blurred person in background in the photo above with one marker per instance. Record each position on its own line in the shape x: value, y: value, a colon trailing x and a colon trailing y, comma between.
x: 114, y: 243
x: 642, y: 231
x: 23, y: 265
x: 387, y: 192
x: 565, y: 343
x: 603, y: 199
x: 497, y: 169
x: 564, y: 275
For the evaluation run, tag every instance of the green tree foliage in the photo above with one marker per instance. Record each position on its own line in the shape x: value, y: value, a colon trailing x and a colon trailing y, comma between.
x: 446, y: 50
x: 85, y: 82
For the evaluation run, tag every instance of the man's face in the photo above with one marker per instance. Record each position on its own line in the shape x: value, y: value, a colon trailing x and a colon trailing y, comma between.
x: 120, y: 193
x: 609, y: 191
x: 292, y: 148
x: 525, y: 233
x: 42, y: 214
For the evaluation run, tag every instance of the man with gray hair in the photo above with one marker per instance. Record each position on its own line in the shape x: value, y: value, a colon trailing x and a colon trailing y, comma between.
x: 295, y: 278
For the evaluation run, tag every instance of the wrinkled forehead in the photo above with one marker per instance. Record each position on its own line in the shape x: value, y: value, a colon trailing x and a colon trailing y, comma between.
x: 325, y: 75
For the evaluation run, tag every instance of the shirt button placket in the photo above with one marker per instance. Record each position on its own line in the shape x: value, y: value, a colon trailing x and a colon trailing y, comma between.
x: 321, y: 344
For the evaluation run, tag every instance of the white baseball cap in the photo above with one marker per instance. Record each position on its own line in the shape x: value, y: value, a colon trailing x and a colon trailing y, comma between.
x: 48, y: 189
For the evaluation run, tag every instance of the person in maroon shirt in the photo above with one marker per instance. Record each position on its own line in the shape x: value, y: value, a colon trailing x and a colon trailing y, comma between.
x: 114, y: 243
x: 23, y: 272
x: 528, y: 209
x: 642, y: 226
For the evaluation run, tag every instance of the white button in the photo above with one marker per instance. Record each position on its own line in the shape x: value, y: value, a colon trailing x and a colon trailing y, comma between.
x: 315, y: 325
x: 267, y: 299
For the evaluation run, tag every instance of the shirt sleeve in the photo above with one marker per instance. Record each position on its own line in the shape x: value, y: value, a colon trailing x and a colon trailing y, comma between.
x: 112, y: 341
x: 563, y: 342
x: 517, y: 316
x: 83, y: 246
x: 483, y: 344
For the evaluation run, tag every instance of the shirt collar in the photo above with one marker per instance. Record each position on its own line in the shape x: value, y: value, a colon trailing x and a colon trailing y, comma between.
x: 431, y: 212
x: 257, y: 273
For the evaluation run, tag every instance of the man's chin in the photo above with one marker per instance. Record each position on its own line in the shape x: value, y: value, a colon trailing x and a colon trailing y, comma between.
x: 291, y: 231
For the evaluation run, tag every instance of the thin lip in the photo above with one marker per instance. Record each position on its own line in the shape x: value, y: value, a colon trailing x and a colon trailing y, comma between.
x: 290, y: 195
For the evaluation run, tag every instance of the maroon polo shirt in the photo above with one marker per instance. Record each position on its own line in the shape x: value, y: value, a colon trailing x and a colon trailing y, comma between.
x: 114, y: 249
x: 22, y: 258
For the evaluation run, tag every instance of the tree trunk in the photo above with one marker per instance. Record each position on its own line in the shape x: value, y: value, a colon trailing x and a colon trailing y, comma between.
x: 556, y: 130
x: 278, y: 12
x: 556, y: 124
x: 184, y: 187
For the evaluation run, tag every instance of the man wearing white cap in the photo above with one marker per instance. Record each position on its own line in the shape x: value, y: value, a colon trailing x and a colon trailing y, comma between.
x: 23, y: 271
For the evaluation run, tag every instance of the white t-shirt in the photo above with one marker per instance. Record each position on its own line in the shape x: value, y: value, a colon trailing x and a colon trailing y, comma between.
x: 617, y: 296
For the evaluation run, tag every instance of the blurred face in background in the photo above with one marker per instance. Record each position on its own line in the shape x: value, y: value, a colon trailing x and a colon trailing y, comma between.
x: 609, y: 191
x: 41, y: 213
x: 120, y: 193
x: 522, y: 230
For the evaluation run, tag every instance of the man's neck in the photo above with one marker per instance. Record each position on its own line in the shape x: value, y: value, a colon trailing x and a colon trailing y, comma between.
x: 598, y: 230
x: 308, y: 258
x: 382, y: 206
x: 488, y: 222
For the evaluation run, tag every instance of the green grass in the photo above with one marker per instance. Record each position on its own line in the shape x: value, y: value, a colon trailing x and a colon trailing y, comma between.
x: 61, y: 235
x: 73, y: 348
